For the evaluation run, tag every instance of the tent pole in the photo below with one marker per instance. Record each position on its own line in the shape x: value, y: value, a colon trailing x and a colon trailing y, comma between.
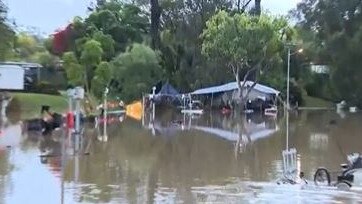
x: 212, y: 99
x: 143, y: 110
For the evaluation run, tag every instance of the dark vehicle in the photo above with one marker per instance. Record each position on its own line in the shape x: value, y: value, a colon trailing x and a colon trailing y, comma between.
x: 350, y: 174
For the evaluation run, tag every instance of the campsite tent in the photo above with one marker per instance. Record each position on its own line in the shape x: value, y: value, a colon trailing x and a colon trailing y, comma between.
x: 168, y: 90
x: 234, y: 86
x: 260, y: 95
x: 167, y: 95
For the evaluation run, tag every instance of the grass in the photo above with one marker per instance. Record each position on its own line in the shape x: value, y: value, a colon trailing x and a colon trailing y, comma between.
x: 30, y: 103
x: 316, y: 102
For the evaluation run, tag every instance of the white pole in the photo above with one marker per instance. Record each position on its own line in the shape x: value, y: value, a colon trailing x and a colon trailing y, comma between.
x: 77, y: 116
x: 190, y: 103
x: 77, y: 125
x: 184, y: 101
x: 153, y: 103
x: 143, y: 110
x: 76, y: 169
x: 62, y: 166
x: 212, y: 99
x: 288, y: 99
x: 105, y: 114
x: 70, y: 105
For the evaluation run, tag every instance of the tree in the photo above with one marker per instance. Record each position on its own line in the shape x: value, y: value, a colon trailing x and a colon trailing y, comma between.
x: 83, y: 72
x: 107, y: 44
x: 74, y: 71
x: 248, y: 44
x: 90, y: 57
x: 155, y: 23
x: 45, y: 59
x: 136, y: 71
x: 258, y: 7
x: 26, y: 45
x: 124, y: 22
x: 7, y: 33
x: 102, y: 78
x: 182, y: 23
x: 334, y: 36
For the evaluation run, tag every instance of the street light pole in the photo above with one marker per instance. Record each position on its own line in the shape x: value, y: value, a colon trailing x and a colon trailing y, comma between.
x: 153, y: 103
x: 105, y: 113
x: 287, y: 109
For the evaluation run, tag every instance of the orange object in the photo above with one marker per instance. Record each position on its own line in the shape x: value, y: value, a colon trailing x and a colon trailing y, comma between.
x: 134, y: 110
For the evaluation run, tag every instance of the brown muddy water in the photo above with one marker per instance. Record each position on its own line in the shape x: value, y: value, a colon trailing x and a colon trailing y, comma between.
x: 178, y: 159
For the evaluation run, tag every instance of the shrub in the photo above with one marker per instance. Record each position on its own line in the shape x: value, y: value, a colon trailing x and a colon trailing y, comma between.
x: 45, y: 88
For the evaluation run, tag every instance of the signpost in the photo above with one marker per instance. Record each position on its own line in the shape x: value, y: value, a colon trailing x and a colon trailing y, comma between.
x: 78, y: 96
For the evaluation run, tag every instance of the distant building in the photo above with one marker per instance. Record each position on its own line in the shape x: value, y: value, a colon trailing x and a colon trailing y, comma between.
x: 320, y: 69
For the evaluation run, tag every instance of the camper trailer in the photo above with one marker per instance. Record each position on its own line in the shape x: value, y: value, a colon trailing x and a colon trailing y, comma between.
x: 11, y: 77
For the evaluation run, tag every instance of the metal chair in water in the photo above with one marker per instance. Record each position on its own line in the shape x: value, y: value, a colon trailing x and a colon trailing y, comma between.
x: 344, y: 178
x: 290, y: 169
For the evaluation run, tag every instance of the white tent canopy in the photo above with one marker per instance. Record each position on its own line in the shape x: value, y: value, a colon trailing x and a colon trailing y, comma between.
x: 233, y: 86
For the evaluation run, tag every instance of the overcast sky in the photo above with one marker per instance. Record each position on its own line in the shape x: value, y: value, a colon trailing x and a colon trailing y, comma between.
x: 49, y: 15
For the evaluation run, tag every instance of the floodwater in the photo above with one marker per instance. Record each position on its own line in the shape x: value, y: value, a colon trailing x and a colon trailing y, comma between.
x: 214, y: 158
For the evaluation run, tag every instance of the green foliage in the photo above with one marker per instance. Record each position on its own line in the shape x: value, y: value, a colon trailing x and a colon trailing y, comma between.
x: 104, y: 72
x: 333, y: 31
x: 136, y: 71
x: 92, y: 53
x: 182, y: 25
x: 275, y: 78
x: 44, y: 87
x: 7, y: 33
x: 101, y: 79
x: 48, y: 44
x: 75, y: 72
x: 107, y: 44
x: 249, y: 45
x: 125, y: 23
x: 45, y: 59
x: 103, y: 19
x: 27, y: 45
x: 243, y: 39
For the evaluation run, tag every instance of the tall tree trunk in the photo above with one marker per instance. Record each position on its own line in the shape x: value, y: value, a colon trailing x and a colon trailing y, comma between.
x: 155, y: 23
x: 258, y: 7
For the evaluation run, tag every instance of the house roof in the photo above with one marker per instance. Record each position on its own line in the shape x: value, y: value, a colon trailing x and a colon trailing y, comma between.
x: 232, y: 86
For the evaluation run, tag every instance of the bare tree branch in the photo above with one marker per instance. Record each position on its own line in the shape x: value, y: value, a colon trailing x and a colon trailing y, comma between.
x: 245, y: 5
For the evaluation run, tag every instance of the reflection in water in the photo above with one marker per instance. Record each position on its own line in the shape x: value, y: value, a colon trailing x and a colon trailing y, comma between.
x: 178, y: 158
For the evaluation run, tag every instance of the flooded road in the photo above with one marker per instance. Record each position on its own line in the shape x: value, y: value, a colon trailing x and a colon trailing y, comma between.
x: 178, y: 159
